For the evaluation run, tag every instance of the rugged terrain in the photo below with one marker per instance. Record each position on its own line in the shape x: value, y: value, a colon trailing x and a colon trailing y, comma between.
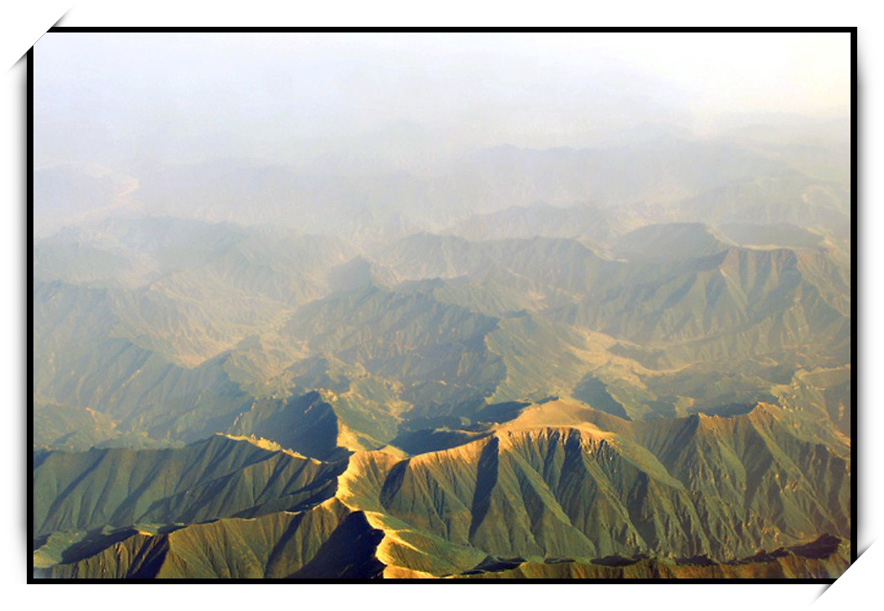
x: 617, y: 361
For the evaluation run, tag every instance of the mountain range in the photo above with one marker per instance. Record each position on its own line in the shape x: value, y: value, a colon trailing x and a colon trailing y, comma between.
x: 630, y: 360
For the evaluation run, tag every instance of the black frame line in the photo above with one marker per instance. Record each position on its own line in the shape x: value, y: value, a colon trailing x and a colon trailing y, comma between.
x: 854, y: 309
x: 854, y: 175
x: 447, y: 30
x: 29, y: 366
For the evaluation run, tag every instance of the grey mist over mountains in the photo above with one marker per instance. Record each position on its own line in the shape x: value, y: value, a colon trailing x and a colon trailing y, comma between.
x: 190, y: 97
x: 442, y: 305
x: 405, y: 116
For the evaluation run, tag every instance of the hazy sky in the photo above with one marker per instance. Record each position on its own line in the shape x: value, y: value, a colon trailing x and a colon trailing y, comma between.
x: 172, y: 95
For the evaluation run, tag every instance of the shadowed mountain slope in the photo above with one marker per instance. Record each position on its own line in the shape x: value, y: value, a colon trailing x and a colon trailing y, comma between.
x: 329, y: 541
x: 218, y: 477
x: 728, y: 305
x: 548, y: 484
x: 825, y: 558
x: 556, y: 481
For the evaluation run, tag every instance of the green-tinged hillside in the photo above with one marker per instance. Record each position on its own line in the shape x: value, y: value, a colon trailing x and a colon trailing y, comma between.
x: 680, y: 292
x: 192, y: 290
x: 215, y: 478
x: 82, y: 362
x: 328, y: 541
x: 669, y: 242
x: 549, y: 484
x: 403, y: 360
x: 306, y: 424
x: 558, y: 485
x: 190, y: 325
x: 437, y: 351
x: 734, y: 304
x: 542, y: 266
